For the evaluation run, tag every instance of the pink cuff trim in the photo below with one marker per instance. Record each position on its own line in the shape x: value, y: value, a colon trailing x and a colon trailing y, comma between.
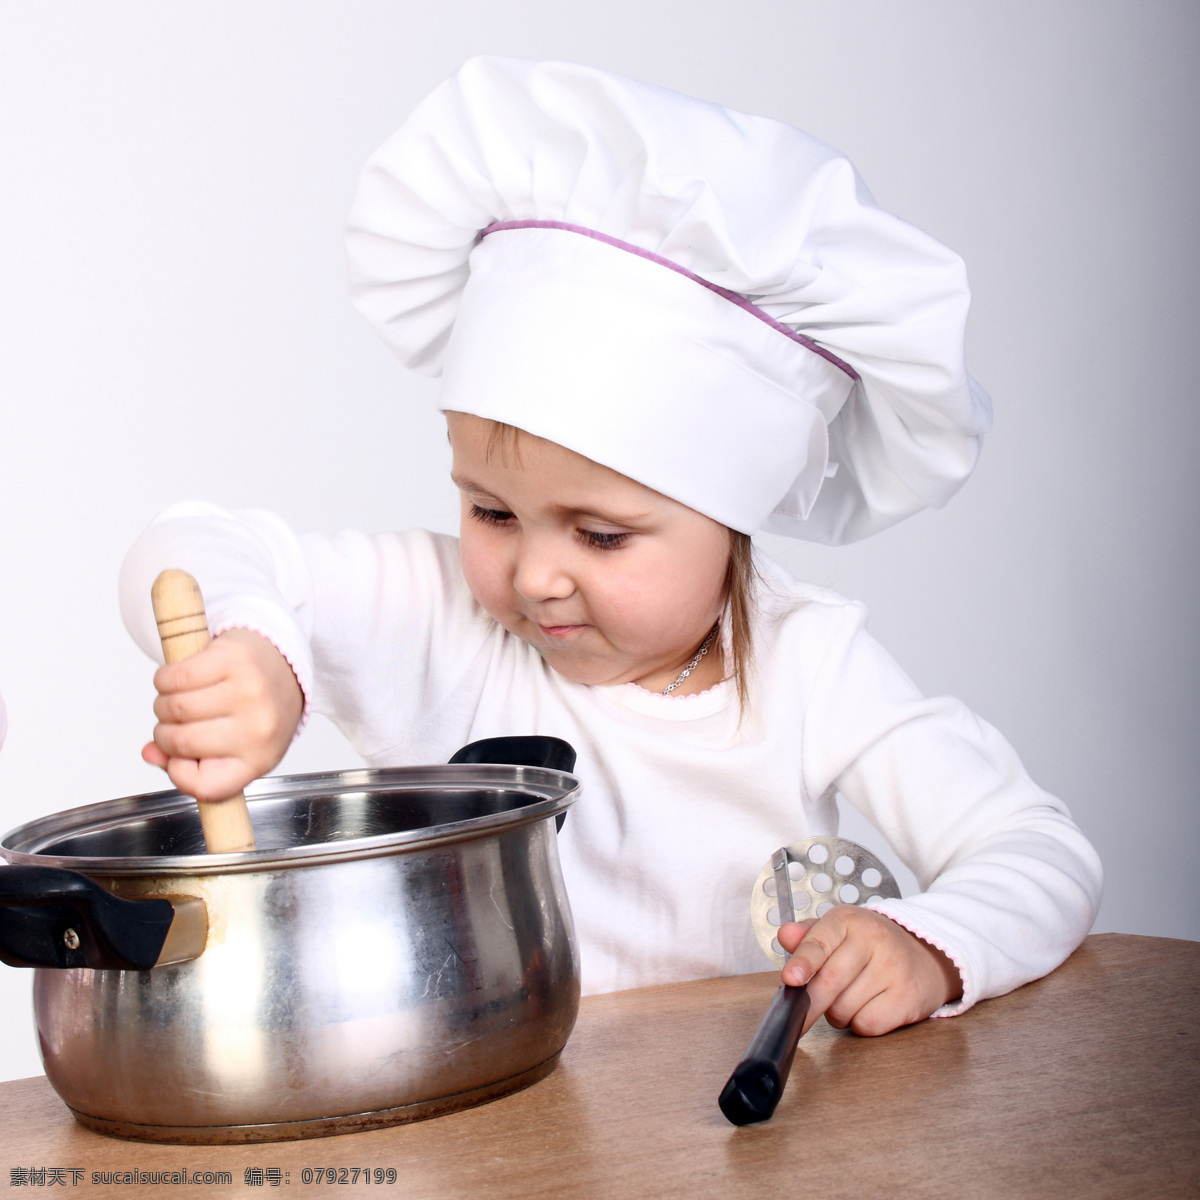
x: 217, y: 630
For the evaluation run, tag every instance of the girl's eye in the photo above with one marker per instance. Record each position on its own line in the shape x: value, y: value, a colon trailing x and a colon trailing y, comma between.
x: 490, y: 516
x: 603, y: 541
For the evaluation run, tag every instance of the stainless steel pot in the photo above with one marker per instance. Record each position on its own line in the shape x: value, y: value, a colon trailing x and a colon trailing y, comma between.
x: 400, y: 945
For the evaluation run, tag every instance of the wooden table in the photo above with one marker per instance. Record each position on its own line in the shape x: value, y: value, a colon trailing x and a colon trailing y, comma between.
x: 1085, y: 1084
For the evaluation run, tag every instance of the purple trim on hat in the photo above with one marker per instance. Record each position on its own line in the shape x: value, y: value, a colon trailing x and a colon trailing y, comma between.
x: 733, y: 297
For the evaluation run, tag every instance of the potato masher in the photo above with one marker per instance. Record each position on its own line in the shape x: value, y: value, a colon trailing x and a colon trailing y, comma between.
x: 800, y: 882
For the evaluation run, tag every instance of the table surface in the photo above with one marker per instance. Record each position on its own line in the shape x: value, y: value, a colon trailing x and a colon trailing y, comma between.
x: 1083, y: 1084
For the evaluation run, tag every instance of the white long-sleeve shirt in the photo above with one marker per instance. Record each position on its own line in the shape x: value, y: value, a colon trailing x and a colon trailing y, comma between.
x: 684, y: 798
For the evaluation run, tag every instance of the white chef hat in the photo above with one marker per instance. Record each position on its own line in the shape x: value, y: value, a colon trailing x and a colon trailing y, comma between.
x: 707, y: 302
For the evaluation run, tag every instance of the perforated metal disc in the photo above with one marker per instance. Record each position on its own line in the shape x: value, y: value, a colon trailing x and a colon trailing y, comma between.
x: 825, y: 871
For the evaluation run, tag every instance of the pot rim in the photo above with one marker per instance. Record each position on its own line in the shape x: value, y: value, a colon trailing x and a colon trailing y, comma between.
x: 557, y: 791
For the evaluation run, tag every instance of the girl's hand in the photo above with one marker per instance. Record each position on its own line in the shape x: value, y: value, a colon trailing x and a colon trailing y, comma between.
x: 225, y: 715
x: 865, y: 971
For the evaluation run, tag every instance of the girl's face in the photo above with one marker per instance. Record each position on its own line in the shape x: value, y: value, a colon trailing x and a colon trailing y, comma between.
x: 610, y: 581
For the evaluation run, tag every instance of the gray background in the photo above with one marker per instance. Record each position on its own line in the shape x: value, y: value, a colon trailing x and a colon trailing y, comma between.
x: 173, y: 324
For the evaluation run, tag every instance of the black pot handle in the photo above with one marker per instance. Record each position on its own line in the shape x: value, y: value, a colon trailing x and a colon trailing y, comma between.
x: 55, y: 918
x: 533, y: 751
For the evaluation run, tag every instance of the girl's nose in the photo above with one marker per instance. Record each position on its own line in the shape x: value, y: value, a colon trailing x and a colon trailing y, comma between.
x: 540, y: 572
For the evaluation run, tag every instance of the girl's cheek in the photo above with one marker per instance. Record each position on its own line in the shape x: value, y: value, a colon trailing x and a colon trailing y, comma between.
x: 483, y: 569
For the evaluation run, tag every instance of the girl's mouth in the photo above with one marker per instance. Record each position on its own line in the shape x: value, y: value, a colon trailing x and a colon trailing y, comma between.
x: 560, y: 631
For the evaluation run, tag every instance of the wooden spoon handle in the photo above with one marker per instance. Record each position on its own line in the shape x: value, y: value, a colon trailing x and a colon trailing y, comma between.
x: 183, y: 630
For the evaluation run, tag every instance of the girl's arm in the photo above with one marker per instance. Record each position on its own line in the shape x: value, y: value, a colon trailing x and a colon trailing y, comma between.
x: 228, y: 714
x: 1010, y: 886
x: 251, y: 570
x: 373, y: 631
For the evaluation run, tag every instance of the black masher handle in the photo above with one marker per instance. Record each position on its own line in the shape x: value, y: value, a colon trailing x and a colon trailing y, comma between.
x: 757, y: 1082
x: 535, y: 750
x: 50, y: 917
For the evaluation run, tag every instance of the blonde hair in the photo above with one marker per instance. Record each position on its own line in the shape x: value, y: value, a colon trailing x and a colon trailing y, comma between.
x: 741, y: 605
x: 741, y: 576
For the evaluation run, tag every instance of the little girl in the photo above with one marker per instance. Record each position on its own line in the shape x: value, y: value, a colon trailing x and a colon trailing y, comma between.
x: 661, y: 326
